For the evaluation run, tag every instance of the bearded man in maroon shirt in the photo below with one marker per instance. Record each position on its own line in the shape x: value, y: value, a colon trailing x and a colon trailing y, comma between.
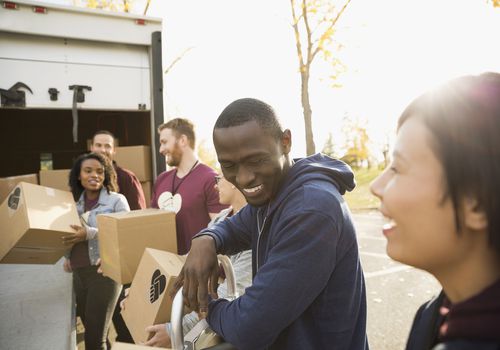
x: 188, y: 188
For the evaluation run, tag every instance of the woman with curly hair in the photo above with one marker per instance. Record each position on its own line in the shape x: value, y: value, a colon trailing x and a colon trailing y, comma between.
x: 93, y: 183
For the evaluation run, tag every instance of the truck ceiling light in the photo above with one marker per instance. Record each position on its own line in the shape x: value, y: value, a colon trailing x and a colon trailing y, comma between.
x: 140, y: 22
x: 39, y: 9
x: 10, y: 5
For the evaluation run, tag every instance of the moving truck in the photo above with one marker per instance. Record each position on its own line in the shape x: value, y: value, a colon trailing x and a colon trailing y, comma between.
x: 66, y: 72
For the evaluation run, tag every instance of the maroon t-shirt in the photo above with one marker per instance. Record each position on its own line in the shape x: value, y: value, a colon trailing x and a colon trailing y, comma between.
x: 130, y: 187
x: 199, y: 198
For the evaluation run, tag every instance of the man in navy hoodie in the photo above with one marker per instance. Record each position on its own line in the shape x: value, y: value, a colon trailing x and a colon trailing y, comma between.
x: 308, y: 289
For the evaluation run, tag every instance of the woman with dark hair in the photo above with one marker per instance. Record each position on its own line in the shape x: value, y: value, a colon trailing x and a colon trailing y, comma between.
x: 93, y: 182
x: 441, y: 195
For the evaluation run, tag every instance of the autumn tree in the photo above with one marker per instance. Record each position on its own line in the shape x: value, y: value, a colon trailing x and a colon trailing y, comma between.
x: 207, y: 154
x: 357, y: 141
x: 111, y: 5
x: 329, y: 148
x: 314, y: 25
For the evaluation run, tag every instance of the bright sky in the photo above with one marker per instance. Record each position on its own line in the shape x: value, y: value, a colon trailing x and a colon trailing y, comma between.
x: 394, y: 49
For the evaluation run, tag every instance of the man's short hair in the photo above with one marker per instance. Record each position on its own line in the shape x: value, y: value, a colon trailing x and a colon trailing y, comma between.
x: 248, y: 109
x: 103, y: 132
x: 181, y: 126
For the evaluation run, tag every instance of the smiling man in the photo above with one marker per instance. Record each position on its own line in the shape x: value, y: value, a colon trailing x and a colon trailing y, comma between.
x: 308, y: 287
x: 103, y: 142
x: 188, y: 188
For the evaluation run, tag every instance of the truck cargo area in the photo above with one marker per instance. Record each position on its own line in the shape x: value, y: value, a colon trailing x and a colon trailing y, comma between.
x: 42, y: 138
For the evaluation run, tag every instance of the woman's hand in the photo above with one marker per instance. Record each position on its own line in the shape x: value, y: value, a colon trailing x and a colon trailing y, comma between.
x: 67, y: 266
x: 160, y: 336
x: 80, y: 235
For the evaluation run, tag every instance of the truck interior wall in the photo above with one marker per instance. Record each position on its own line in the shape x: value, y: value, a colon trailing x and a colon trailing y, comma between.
x: 27, y: 134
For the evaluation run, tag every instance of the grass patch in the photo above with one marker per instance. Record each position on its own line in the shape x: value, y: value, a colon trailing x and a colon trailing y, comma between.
x: 361, y: 197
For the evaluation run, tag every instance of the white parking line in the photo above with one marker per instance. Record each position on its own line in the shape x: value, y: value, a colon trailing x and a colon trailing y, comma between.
x: 386, y: 271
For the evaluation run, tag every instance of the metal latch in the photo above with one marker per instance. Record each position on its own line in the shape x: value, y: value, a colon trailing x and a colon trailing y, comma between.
x: 53, y: 92
x: 13, y: 97
x: 78, y: 90
x: 78, y: 97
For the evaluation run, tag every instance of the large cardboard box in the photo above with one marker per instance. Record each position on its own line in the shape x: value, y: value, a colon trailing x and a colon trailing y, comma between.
x: 136, y: 159
x: 149, y: 301
x: 7, y: 184
x: 123, y: 237
x: 147, y: 189
x: 57, y: 179
x: 34, y: 219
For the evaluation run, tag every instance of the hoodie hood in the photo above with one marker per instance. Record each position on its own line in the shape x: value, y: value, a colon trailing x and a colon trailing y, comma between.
x: 318, y: 167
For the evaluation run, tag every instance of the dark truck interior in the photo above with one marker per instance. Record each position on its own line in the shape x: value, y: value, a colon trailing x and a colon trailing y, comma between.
x: 37, y: 139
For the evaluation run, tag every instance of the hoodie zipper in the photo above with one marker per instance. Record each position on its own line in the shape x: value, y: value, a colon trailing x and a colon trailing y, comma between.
x: 260, y: 229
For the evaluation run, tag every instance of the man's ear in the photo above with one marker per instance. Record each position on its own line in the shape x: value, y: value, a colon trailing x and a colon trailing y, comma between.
x: 474, y: 216
x: 183, y: 140
x: 286, y: 141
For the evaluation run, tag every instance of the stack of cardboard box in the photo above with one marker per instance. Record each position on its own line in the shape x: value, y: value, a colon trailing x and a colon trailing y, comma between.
x: 138, y: 160
x: 58, y: 179
x: 7, y: 184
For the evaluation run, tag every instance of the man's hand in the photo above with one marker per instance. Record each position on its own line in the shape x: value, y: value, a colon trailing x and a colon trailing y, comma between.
x: 200, y: 269
x: 67, y: 266
x: 80, y: 235
x: 160, y: 338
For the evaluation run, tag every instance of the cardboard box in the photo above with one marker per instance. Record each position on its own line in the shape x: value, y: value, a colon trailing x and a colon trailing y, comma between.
x: 137, y: 159
x: 7, y: 184
x: 147, y: 189
x: 57, y: 179
x: 125, y: 346
x: 123, y: 237
x: 34, y: 218
x: 149, y: 301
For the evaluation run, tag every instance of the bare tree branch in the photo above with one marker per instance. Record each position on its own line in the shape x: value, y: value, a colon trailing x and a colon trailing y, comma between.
x: 295, y: 26
x: 330, y: 27
x: 146, y: 8
x: 308, y: 31
x: 177, y: 59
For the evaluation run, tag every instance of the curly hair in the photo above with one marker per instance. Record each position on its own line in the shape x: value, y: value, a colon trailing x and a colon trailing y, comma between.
x: 109, y: 174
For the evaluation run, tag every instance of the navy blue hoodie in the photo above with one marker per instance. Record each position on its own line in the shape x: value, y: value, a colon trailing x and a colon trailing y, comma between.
x: 308, y: 290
